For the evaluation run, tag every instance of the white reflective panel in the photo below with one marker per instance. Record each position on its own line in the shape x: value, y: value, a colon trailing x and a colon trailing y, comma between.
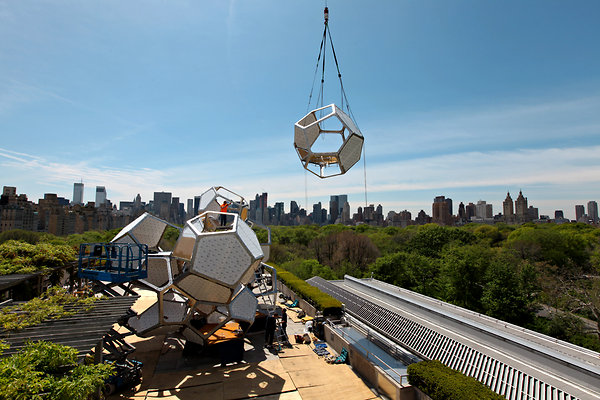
x: 192, y: 335
x: 306, y: 131
x: 221, y: 257
x: 219, y: 318
x: 243, y: 306
x: 207, y: 199
x: 146, y: 229
x: 203, y: 290
x: 249, y: 274
x: 347, y: 121
x: 146, y: 320
x: 248, y: 237
x: 175, y: 308
x: 159, y: 272
x: 184, y: 248
x: 350, y: 152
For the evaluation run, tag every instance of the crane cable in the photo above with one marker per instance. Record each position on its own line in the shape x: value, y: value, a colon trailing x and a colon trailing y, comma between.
x: 344, y: 97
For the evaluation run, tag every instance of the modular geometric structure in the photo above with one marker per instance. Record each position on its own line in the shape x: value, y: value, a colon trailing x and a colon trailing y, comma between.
x: 312, y: 126
x: 202, y: 284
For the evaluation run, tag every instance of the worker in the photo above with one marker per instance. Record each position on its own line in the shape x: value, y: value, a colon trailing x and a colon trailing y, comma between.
x: 224, y: 208
x: 270, y: 326
x: 284, y: 322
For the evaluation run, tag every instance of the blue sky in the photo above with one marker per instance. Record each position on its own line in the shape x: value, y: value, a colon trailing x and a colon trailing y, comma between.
x: 467, y: 98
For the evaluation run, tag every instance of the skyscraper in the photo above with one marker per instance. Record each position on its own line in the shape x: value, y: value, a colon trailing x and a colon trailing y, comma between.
x: 441, y: 211
x: 334, y: 208
x: 593, y: 210
x: 78, y: 193
x: 579, y: 212
x: 100, y: 195
x: 521, y: 208
x: 507, y: 206
x: 162, y: 204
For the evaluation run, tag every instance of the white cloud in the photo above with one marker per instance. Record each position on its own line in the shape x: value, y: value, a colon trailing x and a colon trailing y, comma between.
x: 532, y: 125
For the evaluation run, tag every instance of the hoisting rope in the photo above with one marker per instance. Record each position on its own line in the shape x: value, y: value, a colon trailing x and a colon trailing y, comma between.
x: 320, y: 99
x: 322, y: 54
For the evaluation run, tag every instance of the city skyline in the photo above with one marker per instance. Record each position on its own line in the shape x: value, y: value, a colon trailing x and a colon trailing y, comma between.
x: 186, y: 203
x: 467, y: 100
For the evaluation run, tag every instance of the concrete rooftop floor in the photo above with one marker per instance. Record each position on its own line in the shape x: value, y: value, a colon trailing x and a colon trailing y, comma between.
x: 295, y: 373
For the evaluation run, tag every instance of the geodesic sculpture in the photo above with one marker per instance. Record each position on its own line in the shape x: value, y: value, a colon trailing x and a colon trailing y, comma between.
x: 202, y: 285
x: 342, y: 155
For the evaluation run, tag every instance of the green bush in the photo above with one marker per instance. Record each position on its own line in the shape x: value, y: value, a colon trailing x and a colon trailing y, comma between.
x: 443, y: 383
x: 45, y: 370
x: 18, y: 257
x: 50, y: 305
x: 20, y: 235
x: 321, y: 301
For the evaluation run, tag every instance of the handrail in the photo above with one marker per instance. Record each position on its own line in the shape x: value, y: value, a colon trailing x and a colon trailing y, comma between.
x: 370, y: 355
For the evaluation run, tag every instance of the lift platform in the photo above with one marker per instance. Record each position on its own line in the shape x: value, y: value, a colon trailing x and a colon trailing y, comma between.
x: 113, y: 262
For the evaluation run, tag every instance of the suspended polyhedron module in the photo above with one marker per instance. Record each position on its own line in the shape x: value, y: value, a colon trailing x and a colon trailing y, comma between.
x: 328, y: 120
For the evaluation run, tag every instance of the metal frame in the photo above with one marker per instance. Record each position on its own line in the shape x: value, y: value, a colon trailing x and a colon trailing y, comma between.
x: 303, y: 144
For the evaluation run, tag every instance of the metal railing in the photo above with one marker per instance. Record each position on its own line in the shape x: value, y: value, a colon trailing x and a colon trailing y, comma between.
x: 370, y: 356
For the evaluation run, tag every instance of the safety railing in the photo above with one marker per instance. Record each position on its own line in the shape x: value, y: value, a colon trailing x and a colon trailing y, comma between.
x: 113, y: 262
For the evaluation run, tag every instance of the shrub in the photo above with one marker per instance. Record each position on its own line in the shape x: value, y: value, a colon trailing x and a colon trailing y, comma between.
x: 24, y: 258
x: 321, y: 301
x: 443, y: 383
x: 45, y: 370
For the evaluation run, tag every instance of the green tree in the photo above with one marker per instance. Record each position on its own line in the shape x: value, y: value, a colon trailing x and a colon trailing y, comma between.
x: 463, y: 272
x: 510, y: 291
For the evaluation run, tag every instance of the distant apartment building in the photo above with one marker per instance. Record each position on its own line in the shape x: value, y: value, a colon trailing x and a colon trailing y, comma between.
x: 16, y: 212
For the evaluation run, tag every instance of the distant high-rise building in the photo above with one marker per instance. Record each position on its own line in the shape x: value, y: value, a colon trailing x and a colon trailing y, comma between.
x: 441, y: 211
x: 196, y: 205
x: 10, y: 191
x: 507, y: 207
x: 162, y: 204
x: 558, y: 214
x: 461, y: 211
x: 100, y: 195
x: 78, y: 193
x: 279, y: 212
x: 334, y: 208
x: 422, y: 218
x: 533, y: 213
x: 521, y: 209
x: 470, y: 211
x: 316, y: 214
x: 342, y: 199
x: 294, y: 209
x: 484, y: 210
x: 450, y: 207
x: 190, y: 208
x: 593, y: 210
x: 579, y: 212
